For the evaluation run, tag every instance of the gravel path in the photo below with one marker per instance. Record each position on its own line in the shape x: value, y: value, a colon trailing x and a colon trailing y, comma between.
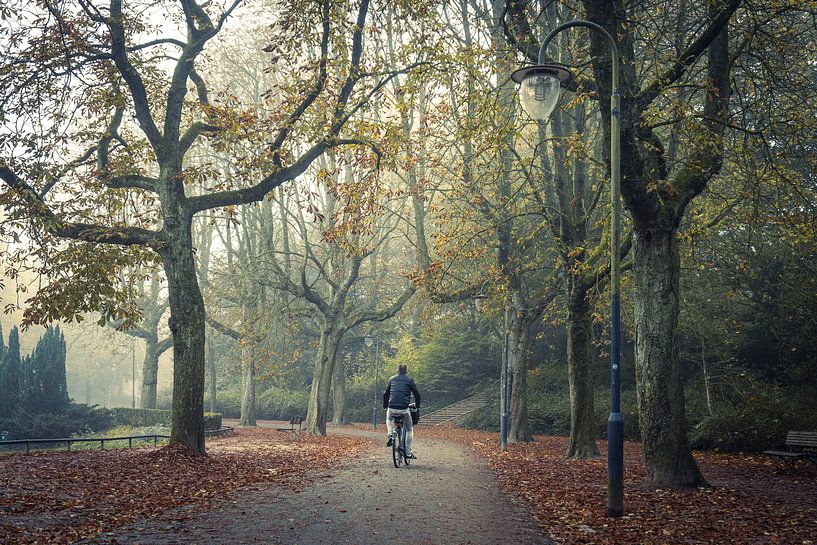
x: 447, y: 497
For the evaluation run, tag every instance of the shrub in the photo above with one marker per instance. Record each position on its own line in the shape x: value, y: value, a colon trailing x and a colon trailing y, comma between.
x: 754, y: 425
x: 228, y: 403
x: 486, y: 418
x: 629, y: 412
x: 212, y: 421
x: 271, y: 404
x: 126, y: 416
x: 280, y: 404
x: 549, y: 414
x: 73, y: 419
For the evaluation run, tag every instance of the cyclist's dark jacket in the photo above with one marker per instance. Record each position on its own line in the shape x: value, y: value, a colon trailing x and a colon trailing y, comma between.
x: 398, y: 392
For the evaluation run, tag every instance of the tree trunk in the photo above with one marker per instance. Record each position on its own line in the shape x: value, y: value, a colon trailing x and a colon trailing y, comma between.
x: 187, y: 326
x: 322, y: 382
x: 667, y: 455
x: 518, y: 367
x: 339, y: 393
x: 248, y: 340
x: 707, y: 382
x: 579, y: 368
x: 211, y: 366
x: 248, y: 385
x: 150, y: 370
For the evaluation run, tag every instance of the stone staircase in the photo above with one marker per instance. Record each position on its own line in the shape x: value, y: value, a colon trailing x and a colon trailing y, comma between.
x: 455, y: 411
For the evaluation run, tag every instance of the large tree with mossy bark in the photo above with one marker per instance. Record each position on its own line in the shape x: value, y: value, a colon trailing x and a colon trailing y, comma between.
x: 130, y: 109
x: 657, y: 188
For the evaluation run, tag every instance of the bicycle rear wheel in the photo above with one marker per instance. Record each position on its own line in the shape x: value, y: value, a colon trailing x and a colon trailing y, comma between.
x: 395, y: 449
x: 403, y: 449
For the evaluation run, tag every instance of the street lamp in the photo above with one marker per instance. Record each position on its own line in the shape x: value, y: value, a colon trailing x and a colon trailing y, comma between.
x: 539, y: 94
x: 133, y: 373
x: 479, y: 301
x: 371, y: 340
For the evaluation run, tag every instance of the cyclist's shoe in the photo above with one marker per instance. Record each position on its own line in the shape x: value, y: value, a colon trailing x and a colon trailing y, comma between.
x: 411, y: 456
x: 390, y: 441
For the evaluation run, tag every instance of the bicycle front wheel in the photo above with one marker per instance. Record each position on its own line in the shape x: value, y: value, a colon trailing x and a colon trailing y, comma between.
x: 396, y: 456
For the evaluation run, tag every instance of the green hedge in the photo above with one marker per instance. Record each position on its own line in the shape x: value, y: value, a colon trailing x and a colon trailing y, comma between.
x: 271, y: 404
x: 75, y: 418
x: 212, y: 421
x: 125, y: 416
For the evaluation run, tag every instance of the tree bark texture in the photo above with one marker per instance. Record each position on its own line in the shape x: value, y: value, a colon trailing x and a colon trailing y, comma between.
x: 247, y: 384
x: 322, y: 382
x: 187, y: 326
x: 339, y: 393
x: 518, y: 368
x: 150, y: 371
x: 211, y: 366
x: 659, y: 382
x: 579, y: 368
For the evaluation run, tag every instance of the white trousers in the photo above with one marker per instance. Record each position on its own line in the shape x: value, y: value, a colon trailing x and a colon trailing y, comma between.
x: 408, y: 429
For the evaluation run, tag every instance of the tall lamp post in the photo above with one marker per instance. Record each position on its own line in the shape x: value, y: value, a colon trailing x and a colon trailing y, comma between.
x: 479, y: 300
x: 371, y: 340
x: 539, y: 93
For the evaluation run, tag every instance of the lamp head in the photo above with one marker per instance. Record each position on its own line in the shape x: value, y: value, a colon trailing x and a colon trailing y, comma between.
x: 369, y: 340
x: 479, y: 300
x: 539, y: 88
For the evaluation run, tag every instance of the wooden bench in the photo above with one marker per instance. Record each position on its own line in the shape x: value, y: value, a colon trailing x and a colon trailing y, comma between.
x: 295, y: 420
x: 805, y: 441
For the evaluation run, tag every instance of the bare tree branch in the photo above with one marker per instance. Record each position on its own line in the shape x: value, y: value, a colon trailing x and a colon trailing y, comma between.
x: 125, y: 236
x: 132, y: 77
x: 689, y: 56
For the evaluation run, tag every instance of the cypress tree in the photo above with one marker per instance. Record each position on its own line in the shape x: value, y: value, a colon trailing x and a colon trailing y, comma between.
x: 59, y: 384
x: 10, y: 375
x: 29, y: 393
x: 48, y: 388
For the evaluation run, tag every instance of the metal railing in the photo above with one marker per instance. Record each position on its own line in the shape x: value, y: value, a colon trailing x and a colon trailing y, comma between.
x: 68, y: 441
x: 225, y: 429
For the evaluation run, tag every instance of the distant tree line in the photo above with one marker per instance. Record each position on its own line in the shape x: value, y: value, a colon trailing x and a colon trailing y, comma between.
x: 35, y: 383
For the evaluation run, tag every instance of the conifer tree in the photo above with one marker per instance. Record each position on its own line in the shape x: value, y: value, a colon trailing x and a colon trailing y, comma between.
x: 58, y: 385
x: 10, y: 374
x: 46, y: 388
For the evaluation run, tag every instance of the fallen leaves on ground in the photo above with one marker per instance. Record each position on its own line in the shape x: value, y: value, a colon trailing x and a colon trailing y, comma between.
x: 754, y: 499
x: 59, y: 497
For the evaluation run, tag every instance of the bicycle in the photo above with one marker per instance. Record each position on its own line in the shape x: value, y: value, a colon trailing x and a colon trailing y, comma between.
x: 398, y: 442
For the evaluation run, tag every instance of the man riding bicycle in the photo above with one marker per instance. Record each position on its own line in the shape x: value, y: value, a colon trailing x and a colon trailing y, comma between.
x: 396, y: 400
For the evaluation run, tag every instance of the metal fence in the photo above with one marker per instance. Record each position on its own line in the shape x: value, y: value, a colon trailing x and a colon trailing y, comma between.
x: 68, y: 441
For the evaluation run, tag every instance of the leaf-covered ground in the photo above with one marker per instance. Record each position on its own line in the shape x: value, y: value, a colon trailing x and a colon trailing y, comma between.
x: 754, y: 499
x: 60, y: 497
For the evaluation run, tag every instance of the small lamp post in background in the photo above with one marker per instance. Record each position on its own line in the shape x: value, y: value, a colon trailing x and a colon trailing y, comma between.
x: 133, y: 373
x: 371, y: 340
x: 539, y: 93
x: 479, y: 301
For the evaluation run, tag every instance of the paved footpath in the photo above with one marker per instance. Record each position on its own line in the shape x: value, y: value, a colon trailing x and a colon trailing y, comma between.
x: 447, y: 497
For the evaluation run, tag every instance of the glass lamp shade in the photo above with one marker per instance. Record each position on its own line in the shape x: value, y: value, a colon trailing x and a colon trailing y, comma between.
x: 479, y: 299
x: 539, y: 94
x: 539, y: 88
x: 369, y: 340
